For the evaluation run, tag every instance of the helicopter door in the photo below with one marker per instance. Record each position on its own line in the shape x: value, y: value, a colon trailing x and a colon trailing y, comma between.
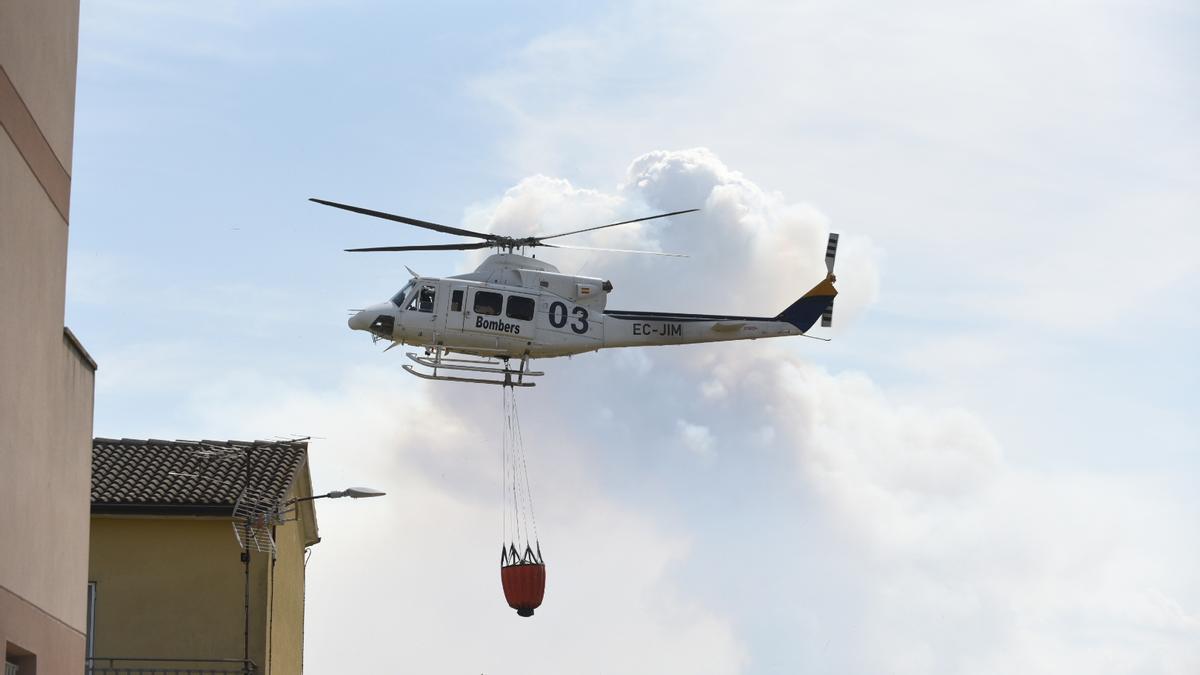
x: 420, y: 319
x: 455, y: 311
x: 482, y: 312
x: 506, y: 318
x: 519, y: 311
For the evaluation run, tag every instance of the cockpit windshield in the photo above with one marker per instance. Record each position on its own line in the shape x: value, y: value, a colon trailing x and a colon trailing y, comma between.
x: 398, y: 299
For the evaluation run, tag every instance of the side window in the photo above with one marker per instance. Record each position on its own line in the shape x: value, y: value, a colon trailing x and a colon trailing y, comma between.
x: 91, y: 620
x: 422, y: 301
x: 488, y: 303
x: 519, y: 308
x: 456, y: 301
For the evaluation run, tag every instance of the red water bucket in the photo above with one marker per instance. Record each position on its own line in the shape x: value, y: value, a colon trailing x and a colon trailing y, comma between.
x: 524, y: 586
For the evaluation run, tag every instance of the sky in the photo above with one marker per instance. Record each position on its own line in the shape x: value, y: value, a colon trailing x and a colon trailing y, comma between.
x: 994, y: 467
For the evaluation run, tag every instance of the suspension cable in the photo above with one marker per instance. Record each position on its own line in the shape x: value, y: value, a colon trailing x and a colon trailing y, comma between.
x: 525, y: 470
x: 516, y: 485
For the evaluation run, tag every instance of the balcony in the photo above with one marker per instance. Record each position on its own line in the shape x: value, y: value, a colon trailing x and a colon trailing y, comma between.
x: 144, y: 666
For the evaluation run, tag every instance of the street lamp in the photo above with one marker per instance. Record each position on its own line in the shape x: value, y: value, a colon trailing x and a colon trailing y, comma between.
x: 353, y: 493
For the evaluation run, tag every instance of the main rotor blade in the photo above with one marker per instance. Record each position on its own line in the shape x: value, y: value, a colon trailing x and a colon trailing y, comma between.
x: 430, y: 247
x: 623, y: 222
x: 408, y: 221
x: 614, y: 250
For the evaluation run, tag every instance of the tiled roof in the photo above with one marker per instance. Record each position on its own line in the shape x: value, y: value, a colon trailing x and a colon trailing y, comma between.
x: 149, y: 474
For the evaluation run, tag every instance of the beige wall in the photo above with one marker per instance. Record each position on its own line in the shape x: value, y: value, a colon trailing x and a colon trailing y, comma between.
x: 59, y: 648
x: 38, y: 49
x: 45, y: 384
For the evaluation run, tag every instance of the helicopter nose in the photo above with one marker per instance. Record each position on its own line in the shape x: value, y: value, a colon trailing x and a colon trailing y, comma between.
x: 359, y: 321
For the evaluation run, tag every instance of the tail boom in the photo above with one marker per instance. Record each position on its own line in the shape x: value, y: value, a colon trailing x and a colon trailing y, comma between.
x: 640, y: 329
x: 631, y: 329
x: 634, y: 329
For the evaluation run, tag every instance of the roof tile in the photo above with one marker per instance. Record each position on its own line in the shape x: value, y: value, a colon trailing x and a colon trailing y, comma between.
x: 186, y: 473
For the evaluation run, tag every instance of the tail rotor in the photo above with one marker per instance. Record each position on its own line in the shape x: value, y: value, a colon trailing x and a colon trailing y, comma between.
x: 830, y: 256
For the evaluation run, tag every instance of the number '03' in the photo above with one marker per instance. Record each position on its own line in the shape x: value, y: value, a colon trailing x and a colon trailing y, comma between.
x: 558, y: 317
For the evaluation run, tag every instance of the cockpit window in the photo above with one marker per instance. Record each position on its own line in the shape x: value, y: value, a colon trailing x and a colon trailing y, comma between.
x: 398, y: 299
x: 422, y: 301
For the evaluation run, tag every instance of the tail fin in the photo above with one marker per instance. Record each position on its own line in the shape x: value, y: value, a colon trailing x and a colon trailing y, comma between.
x: 818, y: 302
x: 804, y: 312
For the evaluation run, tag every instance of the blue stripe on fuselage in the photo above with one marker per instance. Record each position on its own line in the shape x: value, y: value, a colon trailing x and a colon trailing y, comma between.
x: 676, y: 316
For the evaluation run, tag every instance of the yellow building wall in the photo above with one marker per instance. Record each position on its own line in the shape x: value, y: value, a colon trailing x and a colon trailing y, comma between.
x: 287, y: 602
x: 173, y: 587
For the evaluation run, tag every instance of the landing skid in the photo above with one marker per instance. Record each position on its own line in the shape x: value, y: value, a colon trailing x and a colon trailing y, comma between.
x: 499, y: 367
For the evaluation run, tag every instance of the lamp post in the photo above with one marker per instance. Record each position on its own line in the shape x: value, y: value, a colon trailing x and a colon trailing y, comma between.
x: 353, y: 493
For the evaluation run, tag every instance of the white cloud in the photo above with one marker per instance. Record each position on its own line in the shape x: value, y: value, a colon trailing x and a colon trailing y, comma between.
x: 698, y: 439
x: 1031, y: 172
x: 756, y: 245
x: 751, y: 251
x: 975, y: 564
x: 960, y: 560
x: 1022, y: 163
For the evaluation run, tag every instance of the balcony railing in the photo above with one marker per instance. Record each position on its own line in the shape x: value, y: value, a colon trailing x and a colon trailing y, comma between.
x: 145, y: 666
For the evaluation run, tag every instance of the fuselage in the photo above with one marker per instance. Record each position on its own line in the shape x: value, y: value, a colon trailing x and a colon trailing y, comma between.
x: 514, y: 306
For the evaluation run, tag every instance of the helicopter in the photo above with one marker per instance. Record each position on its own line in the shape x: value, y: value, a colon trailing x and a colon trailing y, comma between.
x: 515, y: 306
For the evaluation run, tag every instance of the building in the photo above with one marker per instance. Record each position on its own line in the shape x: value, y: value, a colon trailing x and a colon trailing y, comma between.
x: 169, y: 587
x: 46, y: 377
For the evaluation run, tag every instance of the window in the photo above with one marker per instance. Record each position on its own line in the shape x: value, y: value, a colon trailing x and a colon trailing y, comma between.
x: 456, y: 301
x: 91, y: 620
x: 488, y: 303
x: 17, y: 660
x: 398, y: 299
x: 422, y: 301
x: 520, y: 308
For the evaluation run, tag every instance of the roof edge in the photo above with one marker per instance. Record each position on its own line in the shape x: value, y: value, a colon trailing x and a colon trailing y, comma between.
x: 308, y: 509
x: 78, y: 347
x: 163, y: 509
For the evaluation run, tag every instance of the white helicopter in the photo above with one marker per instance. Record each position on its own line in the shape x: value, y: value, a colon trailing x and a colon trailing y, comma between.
x: 517, y: 307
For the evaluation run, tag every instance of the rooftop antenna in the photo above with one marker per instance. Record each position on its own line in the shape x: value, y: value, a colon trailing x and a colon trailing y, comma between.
x: 254, y: 511
x: 254, y: 514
